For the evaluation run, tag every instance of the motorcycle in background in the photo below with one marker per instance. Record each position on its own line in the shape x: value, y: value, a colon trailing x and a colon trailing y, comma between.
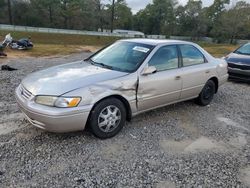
x: 4, y: 44
x: 21, y: 44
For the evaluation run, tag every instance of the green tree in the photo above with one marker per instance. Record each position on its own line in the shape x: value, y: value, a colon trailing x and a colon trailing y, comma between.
x: 100, y: 14
x: 157, y: 18
x: 191, y: 19
x: 122, y: 15
x: 163, y: 13
x: 47, y: 10
x: 233, y: 24
x: 3, y: 11
x: 10, y: 11
x: 68, y: 11
x: 216, y: 9
x: 214, y: 13
x: 144, y: 20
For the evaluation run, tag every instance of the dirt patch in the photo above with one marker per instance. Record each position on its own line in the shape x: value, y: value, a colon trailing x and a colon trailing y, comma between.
x: 30, y: 133
x: 239, y: 141
x: 170, y: 146
x: 114, y: 150
x: 14, y: 54
x: 90, y: 49
x: 188, y: 125
x: 231, y: 123
x: 57, y: 167
x: 203, y: 144
x: 165, y: 184
x: 245, y: 176
x: 189, y: 146
x: 8, y: 123
x: 48, y: 51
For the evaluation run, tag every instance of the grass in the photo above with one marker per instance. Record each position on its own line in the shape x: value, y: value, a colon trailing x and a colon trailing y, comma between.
x: 62, y: 39
x: 43, y: 50
x: 219, y: 50
x: 50, y: 44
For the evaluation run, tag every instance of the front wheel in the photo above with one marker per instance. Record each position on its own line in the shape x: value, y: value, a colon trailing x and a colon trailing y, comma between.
x: 107, y: 118
x: 207, y: 94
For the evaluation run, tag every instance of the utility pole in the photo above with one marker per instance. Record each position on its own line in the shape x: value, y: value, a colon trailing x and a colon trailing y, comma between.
x: 10, y: 12
x: 112, y: 15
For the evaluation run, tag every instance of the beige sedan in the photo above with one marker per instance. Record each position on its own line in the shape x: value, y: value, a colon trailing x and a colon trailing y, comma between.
x: 118, y: 82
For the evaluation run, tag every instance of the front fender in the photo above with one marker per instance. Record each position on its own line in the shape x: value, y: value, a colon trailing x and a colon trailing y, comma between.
x: 125, y: 87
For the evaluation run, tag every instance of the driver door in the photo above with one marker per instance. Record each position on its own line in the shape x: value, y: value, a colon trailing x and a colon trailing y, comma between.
x: 164, y: 86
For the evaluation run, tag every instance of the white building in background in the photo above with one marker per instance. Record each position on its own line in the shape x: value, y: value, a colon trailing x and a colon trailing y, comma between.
x: 129, y: 32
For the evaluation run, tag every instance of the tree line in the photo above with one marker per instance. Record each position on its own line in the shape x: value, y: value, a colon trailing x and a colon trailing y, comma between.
x: 222, y: 20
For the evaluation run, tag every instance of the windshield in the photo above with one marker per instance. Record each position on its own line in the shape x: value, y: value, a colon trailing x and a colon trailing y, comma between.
x: 122, y: 56
x: 245, y: 49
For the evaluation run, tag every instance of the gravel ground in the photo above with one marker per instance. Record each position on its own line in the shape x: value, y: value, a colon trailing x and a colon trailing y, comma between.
x: 182, y: 145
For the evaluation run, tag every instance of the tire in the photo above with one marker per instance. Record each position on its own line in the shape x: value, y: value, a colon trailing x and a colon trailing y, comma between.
x: 107, y: 118
x: 207, y: 94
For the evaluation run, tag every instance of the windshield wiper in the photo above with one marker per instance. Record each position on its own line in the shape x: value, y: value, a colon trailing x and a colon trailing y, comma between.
x: 106, y: 66
x: 101, y: 64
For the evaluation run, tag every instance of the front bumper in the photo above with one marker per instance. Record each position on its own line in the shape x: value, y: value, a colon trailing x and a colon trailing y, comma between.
x: 50, y: 118
x: 239, y: 74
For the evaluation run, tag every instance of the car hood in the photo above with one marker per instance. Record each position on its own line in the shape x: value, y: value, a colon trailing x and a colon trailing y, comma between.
x: 62, y: 79
x: 238, y: 58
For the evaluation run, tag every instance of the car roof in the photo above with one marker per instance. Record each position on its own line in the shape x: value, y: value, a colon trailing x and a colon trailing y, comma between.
x: 156, y: 42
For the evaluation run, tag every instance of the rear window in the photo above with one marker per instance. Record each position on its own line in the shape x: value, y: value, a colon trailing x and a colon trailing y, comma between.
x: 191, y: 55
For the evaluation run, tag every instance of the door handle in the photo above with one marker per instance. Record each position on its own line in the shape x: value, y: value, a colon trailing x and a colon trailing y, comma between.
x: 177, y: 77
x: 207, y: 71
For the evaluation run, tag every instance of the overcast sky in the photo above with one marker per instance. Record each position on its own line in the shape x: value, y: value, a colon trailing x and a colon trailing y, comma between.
x: 136, y: 5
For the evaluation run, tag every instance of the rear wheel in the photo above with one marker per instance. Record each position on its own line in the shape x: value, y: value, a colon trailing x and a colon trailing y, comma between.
x: 207, y: 94
x: 107, y: 118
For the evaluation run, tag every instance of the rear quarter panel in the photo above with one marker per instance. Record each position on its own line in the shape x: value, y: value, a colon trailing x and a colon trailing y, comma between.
x: 222, y: 70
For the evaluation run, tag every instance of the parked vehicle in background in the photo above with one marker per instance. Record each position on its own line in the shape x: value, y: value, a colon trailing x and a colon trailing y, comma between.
x: 239, y: 63
x: 120, y: 81
x: 130, y: 33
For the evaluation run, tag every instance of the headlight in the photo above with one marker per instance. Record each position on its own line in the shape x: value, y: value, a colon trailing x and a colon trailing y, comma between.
x: 67, y: 102
x: 46, y: 100
x: 60, y: 102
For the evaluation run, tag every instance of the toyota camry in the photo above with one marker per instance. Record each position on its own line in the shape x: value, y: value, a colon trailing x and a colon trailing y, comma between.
x: 118, y: 82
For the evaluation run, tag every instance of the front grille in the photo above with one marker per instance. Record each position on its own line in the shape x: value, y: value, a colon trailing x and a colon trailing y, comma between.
x: 25, y: 93
x: 239, y: 66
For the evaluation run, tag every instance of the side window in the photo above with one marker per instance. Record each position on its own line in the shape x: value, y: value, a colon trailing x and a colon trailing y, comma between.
x: 191, y: 55
x: 165, y: 58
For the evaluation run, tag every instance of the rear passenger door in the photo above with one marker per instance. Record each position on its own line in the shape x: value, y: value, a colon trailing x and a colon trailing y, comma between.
x: 195, y: 70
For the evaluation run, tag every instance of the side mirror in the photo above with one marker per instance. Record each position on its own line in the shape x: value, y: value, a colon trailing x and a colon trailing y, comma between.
x: 149, y: 70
